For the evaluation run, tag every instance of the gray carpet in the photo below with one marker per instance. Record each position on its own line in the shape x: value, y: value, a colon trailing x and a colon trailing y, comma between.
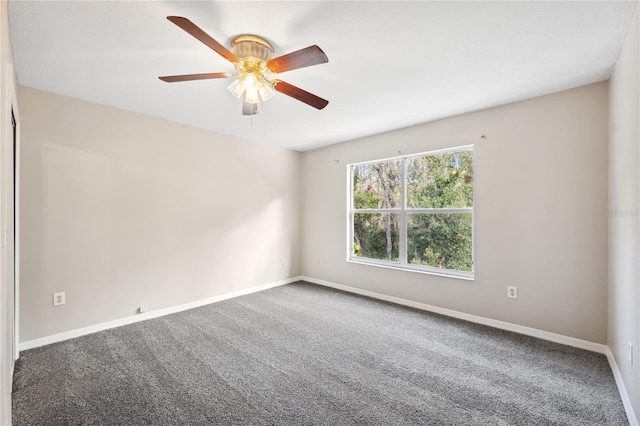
x: 302, y: 354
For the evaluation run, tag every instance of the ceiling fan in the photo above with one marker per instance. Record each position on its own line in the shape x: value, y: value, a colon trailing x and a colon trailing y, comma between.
x: 252, y: 59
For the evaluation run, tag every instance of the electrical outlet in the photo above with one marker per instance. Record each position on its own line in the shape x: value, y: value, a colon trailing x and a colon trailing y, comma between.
x: 512, y: 292
x: 630, y: 350
x: 143, y: 308
x: 283, y: 261
x: 58, y: 299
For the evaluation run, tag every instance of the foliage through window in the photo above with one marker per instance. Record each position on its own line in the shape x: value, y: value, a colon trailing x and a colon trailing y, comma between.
x: 414, y: 212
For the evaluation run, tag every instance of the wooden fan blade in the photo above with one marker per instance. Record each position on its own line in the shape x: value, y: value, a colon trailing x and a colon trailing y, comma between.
x: 247, y: 108
x: 188, y: 77
x: 306, y: 57
x: 198, y: 33
x: 299, y: 94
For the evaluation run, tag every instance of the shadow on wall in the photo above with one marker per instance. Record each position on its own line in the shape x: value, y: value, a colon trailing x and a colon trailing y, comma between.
x: 115, y: 233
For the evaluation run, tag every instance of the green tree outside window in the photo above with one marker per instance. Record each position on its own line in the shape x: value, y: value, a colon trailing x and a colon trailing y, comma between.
x: 421, y: 203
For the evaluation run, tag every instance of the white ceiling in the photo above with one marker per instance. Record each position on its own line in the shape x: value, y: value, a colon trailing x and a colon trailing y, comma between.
x: 391, y: 64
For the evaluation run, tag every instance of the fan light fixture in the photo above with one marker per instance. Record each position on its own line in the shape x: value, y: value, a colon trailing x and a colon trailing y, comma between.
x: 252, y: 59
x: 253, y: 52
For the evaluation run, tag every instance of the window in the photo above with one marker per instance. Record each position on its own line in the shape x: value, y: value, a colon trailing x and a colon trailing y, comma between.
x: 414, y: 212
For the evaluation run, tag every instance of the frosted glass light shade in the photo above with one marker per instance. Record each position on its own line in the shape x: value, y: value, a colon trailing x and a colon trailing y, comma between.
x: 236, y: 88
x: 250, y: 82
x: 251, y: 97
x: 266, y: 91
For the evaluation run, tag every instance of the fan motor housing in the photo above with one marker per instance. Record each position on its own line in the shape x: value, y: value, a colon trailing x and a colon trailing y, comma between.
x: 252, y: 46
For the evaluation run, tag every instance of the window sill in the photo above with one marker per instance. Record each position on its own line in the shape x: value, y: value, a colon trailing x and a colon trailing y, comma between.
x: 466, y: 276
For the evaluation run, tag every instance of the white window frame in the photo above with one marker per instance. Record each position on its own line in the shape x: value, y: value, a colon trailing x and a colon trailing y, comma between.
x: 403, y: 211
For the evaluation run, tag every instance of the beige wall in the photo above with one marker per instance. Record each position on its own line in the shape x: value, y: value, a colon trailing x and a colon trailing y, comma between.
x: 624, y: 237
x: 540, y: 199
x: 121, y: 209
x: 7, y: 100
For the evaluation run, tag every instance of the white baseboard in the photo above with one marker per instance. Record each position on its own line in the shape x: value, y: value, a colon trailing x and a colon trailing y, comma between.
x: 545, y: 335
x: 148, y: 315
x: 534, y: 332
x: 633, y: 420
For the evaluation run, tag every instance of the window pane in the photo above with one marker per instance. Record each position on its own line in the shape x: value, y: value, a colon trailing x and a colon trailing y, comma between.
x: 440, y: 180
x: 376, y: 236
x: 377, y: 185
x: 440, y: 240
